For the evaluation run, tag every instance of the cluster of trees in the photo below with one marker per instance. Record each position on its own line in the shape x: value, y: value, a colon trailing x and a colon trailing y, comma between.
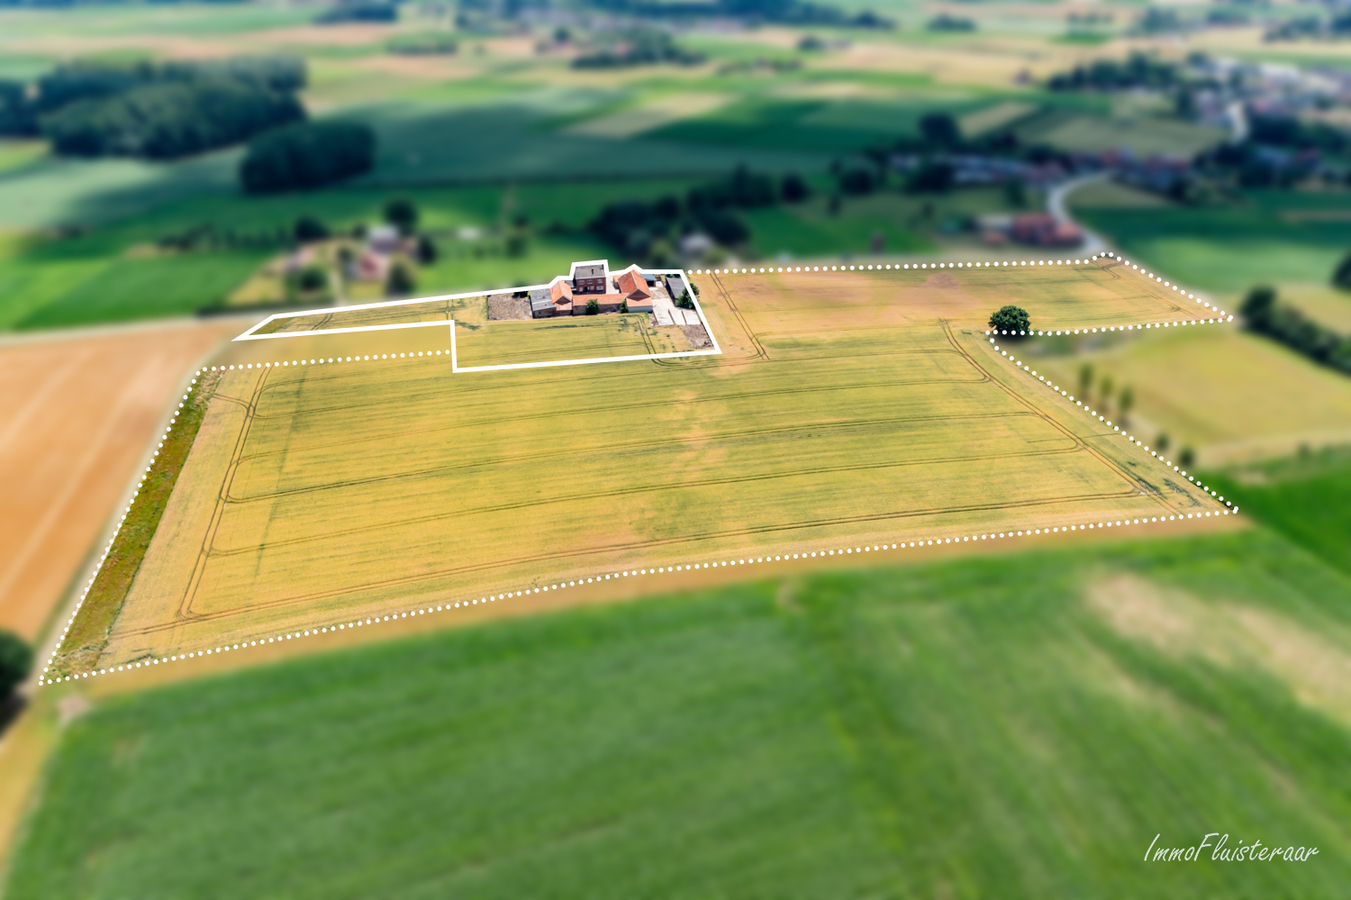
x: 785, y: 12
x: 643, y: 229
x: 640, y: 48
x: 1265, y: 314
x: 947, y: 22
x: 154, y: 110
x: 16, y: 659
x: 359, y: 11
x: 1139, y: 70
x: 307, y: 155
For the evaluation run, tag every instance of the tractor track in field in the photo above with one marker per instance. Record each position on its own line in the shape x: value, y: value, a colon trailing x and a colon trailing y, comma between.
x: 631, y: 491
x: 184, y: 611
x: 512, y: 459
x: 612, y: 548
x: 1110, y: 464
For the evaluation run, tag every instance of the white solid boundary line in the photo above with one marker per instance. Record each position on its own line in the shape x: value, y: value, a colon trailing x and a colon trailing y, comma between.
x: 357, y: 328
x: 448, y: 606
x: 455, y: 367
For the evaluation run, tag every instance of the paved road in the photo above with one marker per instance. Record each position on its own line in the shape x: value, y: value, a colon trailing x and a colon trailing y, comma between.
x: 1055, y: 205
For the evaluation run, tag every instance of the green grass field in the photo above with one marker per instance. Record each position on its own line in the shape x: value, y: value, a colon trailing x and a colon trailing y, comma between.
x: 1306, y: 497
x: 1269, y: 237
x: 1004, y: 726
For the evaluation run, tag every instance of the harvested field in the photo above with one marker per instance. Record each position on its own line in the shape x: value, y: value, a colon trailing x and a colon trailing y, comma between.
x: 76, y: 414
x: 847, y: 406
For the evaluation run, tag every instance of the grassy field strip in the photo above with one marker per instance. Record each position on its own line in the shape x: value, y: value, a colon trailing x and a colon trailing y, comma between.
x: 84, y: 636
x: 1091, y: 413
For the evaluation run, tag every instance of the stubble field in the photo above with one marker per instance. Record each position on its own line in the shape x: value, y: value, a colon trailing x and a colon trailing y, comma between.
x: 847, y: 407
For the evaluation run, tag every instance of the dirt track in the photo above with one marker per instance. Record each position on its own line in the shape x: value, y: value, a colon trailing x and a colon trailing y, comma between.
x: 77, y: 414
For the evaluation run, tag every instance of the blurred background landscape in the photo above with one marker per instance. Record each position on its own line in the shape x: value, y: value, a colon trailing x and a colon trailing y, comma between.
x: 1020, y: 725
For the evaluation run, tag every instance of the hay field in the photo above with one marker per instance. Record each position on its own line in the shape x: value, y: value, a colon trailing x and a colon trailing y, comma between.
x: 569, y: 337
x: 853, y: 407
x: 76, y: 414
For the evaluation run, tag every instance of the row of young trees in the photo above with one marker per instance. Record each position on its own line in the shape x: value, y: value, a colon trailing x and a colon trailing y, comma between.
x: 154, y: 110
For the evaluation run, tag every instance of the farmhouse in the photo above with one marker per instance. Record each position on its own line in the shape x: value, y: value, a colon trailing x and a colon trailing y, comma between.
x: 590, y: 277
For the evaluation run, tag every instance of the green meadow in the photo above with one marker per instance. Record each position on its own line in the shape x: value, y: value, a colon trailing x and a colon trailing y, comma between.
x: 1010, y: 726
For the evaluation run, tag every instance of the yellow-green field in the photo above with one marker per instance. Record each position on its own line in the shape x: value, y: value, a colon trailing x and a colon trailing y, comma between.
x: 1230, y: 395
x: 848, y: 407
x: 564, y: 338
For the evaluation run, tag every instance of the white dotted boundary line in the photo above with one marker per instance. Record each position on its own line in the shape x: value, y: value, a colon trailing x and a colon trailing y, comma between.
x: 117, y: 529
x: 1014, y: 263
x: 1027, y: 369
x: 595, y: 579
x: 430, y: 354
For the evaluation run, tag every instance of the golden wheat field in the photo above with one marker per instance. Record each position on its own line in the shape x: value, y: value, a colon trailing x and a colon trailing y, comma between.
x: 853, y: 407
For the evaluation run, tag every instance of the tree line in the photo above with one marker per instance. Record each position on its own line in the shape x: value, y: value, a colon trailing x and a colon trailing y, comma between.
x: 1266, y: 314
x: 154, y: 110
x: 644, y: 229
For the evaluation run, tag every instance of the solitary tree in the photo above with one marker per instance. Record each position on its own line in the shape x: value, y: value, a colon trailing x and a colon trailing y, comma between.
x: 1085, y: 378
x: 1161, y: 442
x: 16, y: 657
x: 402, y: 214
x: 1186, y: 457
x: 592, y: 307
x: 1011, y: 319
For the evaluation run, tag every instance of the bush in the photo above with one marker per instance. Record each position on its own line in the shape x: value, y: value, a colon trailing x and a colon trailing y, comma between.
x: 16, y: 659
x: 165, y: 121
x: 1012, y: 319
x: 306, y: 156
x: 592, y: 307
